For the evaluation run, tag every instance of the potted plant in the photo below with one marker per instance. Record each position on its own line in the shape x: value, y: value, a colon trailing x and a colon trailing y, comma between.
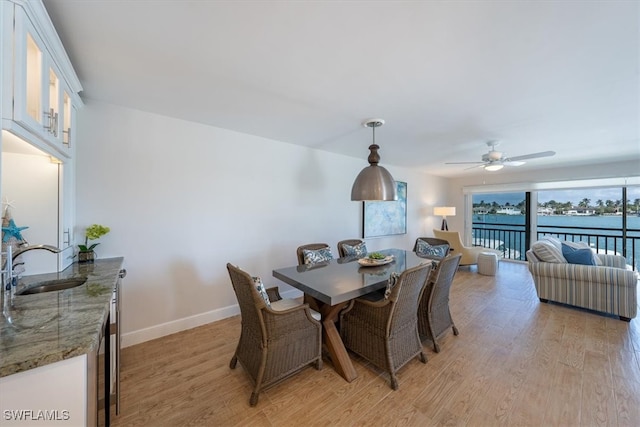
x: 93, y: 232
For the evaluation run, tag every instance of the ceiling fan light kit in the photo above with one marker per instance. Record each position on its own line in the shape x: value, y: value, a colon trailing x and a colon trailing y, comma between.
x: 493, y: 167
x: 496, y: 160
x: 374, y: 182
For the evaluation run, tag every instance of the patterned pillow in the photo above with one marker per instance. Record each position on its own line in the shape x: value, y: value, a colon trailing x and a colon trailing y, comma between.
x: 257, y: 282
x: 359, y: 250
x: 393, y: 279
x: 425, y: 249
x: 575, y: 255
x: 316, y: 256
x: 546, y: 251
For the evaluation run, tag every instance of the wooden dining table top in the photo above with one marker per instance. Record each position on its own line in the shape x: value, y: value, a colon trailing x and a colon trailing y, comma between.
x: 339, y: 280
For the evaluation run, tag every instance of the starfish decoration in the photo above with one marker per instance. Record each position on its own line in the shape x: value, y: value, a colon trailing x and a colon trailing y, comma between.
x: 12, y: 231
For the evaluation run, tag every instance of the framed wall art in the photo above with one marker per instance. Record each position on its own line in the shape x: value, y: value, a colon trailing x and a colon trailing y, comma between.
x: 386, y: 218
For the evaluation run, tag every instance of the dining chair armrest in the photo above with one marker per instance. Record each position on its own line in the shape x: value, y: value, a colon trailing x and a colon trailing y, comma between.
x: 293, y: 318
x: 274, y: 294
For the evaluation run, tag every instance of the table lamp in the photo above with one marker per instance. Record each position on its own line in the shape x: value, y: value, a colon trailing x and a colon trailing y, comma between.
x: 444, y: 212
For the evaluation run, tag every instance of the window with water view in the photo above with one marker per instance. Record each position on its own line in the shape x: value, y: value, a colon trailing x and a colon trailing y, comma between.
x: 608, y: 219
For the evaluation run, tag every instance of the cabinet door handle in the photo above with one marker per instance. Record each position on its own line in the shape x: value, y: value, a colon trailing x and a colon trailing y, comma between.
x: 55, y: 125
x: 68, y: 141
x: 66, y: 240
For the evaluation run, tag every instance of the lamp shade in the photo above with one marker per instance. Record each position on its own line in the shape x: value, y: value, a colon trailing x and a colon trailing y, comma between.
x: 374, y: 183
x: 445, y: 211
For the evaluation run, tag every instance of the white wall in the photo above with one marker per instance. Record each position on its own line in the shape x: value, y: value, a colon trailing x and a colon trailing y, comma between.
x: 183, y: 199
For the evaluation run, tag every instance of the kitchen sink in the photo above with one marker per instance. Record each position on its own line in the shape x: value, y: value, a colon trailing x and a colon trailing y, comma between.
x: 53, y: 285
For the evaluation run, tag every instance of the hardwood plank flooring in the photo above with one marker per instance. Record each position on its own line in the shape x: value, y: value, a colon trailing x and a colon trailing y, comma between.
x: 516, y: 362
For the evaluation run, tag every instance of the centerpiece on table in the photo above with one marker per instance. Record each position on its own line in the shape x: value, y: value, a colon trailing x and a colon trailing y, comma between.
x: 375, y: 259
x: 86, y: 253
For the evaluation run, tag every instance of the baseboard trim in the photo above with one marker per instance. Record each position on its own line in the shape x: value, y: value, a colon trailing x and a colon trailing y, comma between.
x: 168, y: 328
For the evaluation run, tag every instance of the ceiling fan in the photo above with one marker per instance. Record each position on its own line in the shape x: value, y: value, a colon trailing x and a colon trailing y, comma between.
x: 496, y: 160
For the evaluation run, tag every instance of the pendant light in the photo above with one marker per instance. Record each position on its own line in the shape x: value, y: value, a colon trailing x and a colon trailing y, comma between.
x: 374, y: 182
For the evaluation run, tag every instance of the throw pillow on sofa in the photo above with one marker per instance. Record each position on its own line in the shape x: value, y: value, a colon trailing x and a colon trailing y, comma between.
x: 547, y: 251
x: 573, y: 255
x: 583, y: 245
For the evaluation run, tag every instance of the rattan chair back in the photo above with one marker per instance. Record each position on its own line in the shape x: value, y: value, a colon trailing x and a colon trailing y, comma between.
x: 434, y: 316
x: 433, y: 241
x: 273, y: 344
x: 386, y: 332
x: 310, y: 246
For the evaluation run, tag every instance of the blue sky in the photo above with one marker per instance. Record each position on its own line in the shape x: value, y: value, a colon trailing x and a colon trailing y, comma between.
x: 573, y: 196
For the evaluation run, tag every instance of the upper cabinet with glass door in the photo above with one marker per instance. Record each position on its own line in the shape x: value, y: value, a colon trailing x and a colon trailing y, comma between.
x: 39, y: 80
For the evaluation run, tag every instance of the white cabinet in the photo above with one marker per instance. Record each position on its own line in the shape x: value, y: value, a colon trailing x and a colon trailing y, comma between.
x: 38, y: 80
x: 40, y: 97
x: 58, y: 394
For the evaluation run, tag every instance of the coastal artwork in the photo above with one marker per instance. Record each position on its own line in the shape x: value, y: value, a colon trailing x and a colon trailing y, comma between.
x: 386, y: 218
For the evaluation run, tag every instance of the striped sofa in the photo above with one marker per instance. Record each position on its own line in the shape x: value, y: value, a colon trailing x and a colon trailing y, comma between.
x: 610, y: 287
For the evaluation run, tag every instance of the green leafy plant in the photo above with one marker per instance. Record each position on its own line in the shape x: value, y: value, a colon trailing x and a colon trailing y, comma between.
x: 93, y: 232
x: 376, y: 255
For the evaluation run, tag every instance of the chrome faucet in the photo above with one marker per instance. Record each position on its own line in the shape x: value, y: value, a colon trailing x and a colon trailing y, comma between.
x: 9, y: 264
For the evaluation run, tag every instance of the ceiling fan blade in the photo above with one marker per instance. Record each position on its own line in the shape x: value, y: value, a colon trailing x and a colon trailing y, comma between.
x: 465, y: 163
x: 475, y: 167
x: 512, y: 163
x: 531, y: 156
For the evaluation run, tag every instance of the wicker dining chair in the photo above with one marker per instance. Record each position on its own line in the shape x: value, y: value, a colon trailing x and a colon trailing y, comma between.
x: 342, y: 252
x: 310, y: 246
x: 273, y: 344
x: 432, y: 241
x: 385, y: 332
x: 434, y: 316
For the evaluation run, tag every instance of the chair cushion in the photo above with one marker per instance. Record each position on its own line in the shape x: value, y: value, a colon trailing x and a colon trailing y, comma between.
x: 257, y: 282
x: 393, y: 279
x: 574, y: 255
x: 316, y: 256
x: 287, y: 303
x: 546, y: 251
x: 359, y: 250
x: 425, y: 249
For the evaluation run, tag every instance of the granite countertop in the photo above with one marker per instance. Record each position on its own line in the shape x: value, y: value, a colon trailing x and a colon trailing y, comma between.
x: 39, y: 329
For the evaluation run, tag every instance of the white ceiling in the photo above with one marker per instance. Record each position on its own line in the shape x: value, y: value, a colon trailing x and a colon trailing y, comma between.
x: 446, y: 76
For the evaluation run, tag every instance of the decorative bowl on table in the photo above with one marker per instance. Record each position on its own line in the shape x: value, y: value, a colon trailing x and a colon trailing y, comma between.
x: 375, y: 259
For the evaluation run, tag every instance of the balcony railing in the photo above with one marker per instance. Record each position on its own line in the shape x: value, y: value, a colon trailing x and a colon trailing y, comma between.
x: 510, y: 239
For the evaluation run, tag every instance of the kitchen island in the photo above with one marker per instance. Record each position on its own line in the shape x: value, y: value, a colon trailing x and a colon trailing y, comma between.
x: 51, y: 340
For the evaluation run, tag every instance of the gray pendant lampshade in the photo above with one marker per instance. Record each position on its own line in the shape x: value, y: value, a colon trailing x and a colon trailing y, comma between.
x: 374, y: 182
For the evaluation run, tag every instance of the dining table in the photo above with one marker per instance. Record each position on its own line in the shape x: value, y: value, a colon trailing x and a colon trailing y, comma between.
x: 330, y: 285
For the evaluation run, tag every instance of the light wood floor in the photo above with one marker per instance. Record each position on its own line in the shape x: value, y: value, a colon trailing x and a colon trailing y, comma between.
x: 516, y: 362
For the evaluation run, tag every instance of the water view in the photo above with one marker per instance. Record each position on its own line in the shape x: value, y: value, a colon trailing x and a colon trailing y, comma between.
x: 600, y: 223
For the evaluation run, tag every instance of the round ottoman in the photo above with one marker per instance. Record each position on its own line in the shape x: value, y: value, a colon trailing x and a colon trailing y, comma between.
x: 487, y: 263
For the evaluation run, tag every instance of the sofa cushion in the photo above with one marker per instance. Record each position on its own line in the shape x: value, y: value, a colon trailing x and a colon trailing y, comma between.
x: 575, y: 255
x: 431, y: 251
x: 316, y: 256
x: 546, y: 251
